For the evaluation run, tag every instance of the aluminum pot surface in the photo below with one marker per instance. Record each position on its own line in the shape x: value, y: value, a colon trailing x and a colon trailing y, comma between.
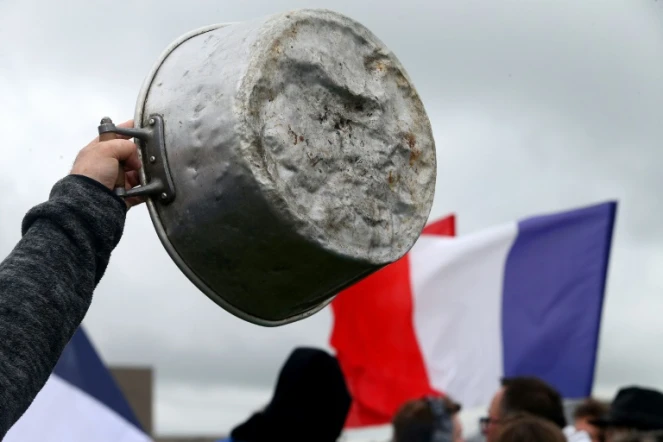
x: 297, y: 159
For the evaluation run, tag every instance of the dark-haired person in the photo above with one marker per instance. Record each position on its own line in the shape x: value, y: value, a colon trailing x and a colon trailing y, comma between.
x: 588, y: 411
x: 522, y: 427
x: 416, y: 421
x: 523, y: 394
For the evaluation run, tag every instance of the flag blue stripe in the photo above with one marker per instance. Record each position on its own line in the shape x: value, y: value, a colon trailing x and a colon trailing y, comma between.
x: 80, y: 365
x: 554, y: 284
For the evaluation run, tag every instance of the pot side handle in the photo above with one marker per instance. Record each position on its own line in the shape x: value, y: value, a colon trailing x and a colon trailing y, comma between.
x: 153, y: 149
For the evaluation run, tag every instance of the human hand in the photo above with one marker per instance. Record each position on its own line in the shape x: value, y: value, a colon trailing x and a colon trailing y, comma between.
x: 100, y: 160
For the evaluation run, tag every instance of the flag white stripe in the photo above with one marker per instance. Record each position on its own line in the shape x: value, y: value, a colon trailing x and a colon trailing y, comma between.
x: 62, y: 412
x: 457, y: 290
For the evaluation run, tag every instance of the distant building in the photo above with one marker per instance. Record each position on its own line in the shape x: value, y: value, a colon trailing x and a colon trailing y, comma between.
x: 137, y: 384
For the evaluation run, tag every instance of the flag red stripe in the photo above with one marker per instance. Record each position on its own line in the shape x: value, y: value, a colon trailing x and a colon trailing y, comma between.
x: 375, y: 341
x: 442, y: 227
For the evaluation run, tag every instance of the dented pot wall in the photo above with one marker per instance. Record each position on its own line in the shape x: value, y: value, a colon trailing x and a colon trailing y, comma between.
x: 302, y: 158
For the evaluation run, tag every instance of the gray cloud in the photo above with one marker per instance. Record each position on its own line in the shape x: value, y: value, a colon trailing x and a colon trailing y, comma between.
x: 535, y: 108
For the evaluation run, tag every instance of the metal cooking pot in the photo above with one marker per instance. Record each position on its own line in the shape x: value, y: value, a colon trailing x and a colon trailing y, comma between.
x: 285, y: 159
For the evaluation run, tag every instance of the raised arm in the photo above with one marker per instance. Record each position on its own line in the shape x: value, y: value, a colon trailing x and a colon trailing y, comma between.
x: 47, y: 281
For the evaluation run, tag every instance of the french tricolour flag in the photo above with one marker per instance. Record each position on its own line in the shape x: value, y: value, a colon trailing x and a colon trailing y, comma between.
x: 458, y: 313
x: 81, y: 402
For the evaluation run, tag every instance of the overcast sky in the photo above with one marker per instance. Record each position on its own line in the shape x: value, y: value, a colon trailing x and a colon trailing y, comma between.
x: 536, y: 107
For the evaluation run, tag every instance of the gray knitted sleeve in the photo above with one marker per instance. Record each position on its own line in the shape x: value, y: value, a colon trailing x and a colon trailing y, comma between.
x: 46, y: 284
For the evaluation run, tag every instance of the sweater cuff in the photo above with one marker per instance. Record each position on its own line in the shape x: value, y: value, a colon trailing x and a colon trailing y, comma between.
x: 96, y: 183
x: 77, y: 200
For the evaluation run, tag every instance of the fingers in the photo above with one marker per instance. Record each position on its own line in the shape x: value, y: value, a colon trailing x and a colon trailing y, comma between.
x: 134, y: 201
x: 99, y: 160
x: 132, y: 180
x: 124, y: 151
x: 126, y: 124
x: 133, y: 162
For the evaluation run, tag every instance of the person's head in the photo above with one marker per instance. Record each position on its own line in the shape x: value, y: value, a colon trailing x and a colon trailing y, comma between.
x: 523, y: 395
x: 522, y: 427
x: 415, y: 420
x: 634, y: 409
x: 311, y: 402
x: 587, y: 412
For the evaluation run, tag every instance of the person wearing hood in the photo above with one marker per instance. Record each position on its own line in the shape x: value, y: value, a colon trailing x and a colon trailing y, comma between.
x: 311, y: 402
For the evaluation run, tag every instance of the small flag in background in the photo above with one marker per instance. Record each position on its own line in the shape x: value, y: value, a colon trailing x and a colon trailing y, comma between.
x: 81, y: 402
x: 523, y: 298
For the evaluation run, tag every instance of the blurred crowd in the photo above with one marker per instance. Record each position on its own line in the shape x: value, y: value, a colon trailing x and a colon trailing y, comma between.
x: 311, y: 402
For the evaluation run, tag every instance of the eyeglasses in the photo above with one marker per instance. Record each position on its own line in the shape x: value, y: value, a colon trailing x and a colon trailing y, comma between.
x: 485, y: 422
